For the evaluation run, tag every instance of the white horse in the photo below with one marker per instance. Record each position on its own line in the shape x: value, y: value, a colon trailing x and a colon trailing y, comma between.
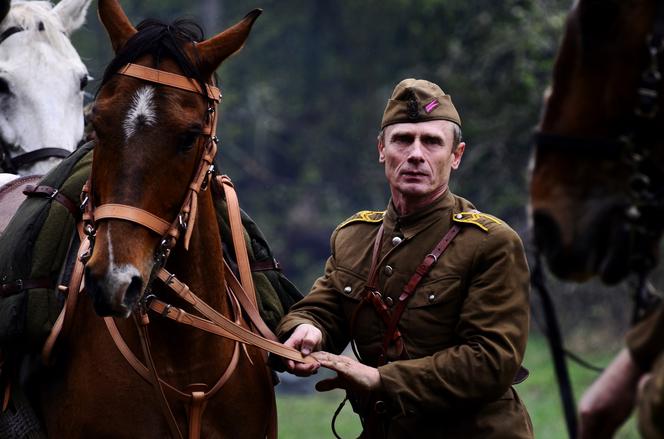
x: 42, y: 79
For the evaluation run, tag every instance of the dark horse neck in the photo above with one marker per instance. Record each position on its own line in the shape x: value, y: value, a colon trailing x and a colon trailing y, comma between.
x: 201, y: 268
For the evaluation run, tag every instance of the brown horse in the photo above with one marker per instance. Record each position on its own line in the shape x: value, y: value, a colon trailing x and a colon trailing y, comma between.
x: 596, y: 186
x: 155, y: 142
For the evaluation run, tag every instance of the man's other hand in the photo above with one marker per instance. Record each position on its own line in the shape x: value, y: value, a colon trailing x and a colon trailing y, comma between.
x: 351, y: 374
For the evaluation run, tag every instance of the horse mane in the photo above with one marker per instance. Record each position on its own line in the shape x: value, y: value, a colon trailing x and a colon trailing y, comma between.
x: 37, y: 16
x: 600, y: 21
x: 160, y: 40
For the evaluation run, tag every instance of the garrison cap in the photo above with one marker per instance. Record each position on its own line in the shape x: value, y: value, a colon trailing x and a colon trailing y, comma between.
x: 417, y: 100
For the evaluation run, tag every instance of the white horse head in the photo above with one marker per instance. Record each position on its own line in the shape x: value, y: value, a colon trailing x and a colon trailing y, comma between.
x: 41, y: 80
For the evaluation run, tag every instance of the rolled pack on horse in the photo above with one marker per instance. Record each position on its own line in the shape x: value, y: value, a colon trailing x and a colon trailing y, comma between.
x: 166, y: 287
x: 596, y: 191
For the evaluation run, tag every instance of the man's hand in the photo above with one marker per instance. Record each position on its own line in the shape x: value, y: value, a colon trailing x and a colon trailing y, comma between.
x: 306, y: 338
x: 610, y: 399
x: 351, y: 375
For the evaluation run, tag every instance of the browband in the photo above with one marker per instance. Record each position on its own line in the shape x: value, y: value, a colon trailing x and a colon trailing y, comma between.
x: 170, y: 79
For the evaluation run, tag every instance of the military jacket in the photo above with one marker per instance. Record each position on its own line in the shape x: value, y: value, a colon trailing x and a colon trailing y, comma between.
x: 464, y: 329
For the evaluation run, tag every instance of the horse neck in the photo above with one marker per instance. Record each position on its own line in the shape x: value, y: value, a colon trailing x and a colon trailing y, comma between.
x: 201, y: 267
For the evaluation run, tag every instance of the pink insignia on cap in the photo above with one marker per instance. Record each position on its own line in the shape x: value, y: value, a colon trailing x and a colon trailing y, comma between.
x: 431, y: 106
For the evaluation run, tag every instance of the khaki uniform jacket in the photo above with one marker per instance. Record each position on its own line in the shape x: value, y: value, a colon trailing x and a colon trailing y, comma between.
x: 465, y: 328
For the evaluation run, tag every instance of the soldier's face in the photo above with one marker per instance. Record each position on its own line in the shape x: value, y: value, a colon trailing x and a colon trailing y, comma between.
x: 419, y: 158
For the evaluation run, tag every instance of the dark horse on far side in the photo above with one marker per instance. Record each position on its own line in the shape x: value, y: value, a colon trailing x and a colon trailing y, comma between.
x: 597, y: 184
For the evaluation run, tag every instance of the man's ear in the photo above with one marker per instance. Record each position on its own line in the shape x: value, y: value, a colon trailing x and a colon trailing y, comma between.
x: 381, y: 147
x: 457, y: 154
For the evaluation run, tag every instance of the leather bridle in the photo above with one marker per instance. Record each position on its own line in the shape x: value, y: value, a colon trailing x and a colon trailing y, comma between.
x: 184, y: 221
x: 634, y: 148
x: 13, y: 164
x: 241, y: 293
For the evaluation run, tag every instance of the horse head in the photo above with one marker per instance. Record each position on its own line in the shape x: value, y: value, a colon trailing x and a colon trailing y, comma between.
x: 598, y: 162
x: 151, y: 138
x: 41, y: 81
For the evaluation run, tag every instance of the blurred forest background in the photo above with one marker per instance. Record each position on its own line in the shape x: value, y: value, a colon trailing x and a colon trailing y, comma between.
x: 303, y: 101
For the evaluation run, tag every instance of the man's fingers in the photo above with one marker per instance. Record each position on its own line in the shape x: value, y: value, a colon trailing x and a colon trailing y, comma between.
x: 339, y: 363
x: 329, y: 384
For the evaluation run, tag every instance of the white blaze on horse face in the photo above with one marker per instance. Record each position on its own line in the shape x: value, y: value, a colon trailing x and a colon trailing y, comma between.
x: 142, y: 112
x: 119, y: 276
x: 44, y: 104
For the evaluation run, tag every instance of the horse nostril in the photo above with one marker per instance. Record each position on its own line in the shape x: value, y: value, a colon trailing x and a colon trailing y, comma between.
x: 546, y: 232
x: 133, y: 291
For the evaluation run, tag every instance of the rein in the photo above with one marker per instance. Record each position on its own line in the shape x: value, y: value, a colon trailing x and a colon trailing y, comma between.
x: 241, y: 293
x: 634, y: 148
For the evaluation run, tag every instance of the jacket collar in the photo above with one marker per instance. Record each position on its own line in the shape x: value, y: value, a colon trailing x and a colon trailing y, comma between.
x: 412, y: 224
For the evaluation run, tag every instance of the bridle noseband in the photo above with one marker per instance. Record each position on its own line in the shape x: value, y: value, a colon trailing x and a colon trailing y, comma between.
x: 184, y: 221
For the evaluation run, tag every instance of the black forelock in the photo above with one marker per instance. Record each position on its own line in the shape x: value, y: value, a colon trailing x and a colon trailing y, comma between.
x: 162, y: 41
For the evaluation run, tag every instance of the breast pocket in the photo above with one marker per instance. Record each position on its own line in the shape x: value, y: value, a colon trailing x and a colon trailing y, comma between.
x: 432, y: 315
x: 363, y: 323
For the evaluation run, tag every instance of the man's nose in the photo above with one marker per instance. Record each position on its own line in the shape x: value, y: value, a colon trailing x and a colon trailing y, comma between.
x: 415, y: 153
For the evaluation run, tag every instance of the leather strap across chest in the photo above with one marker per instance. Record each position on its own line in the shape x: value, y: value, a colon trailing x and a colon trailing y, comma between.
x: 392, y: 345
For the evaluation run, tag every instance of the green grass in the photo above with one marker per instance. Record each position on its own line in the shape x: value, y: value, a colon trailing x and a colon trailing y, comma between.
x: 309, y: 416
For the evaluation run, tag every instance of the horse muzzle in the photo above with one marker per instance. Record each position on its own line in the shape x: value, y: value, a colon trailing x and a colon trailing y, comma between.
x: 115, y: 292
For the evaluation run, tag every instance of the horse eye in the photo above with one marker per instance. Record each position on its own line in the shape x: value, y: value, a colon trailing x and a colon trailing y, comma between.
x: 186, y: 141
x: 4, y: 86
x: 84, y: 81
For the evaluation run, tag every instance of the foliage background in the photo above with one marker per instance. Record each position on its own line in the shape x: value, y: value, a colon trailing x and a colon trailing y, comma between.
x: 303, y: 101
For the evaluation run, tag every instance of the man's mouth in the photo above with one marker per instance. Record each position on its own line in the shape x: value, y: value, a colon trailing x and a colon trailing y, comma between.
x: 413, y: 174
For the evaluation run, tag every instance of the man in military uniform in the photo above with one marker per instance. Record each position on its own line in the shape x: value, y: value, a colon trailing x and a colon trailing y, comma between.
x: 433, y: 294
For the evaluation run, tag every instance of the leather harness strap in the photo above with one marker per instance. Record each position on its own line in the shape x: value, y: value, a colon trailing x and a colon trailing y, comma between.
x: 409, y: 289
x: 15, y: 287
x: 64, y: 321
x: 170, y: 79
x: 132, y: 214
x: 217, y: 323
x: 372, y: 295
x: 55, y: 194
x: 237, y: 234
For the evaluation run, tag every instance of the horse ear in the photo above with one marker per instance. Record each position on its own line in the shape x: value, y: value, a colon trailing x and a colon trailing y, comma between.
x: 4, y: 9
x: 216, y: 49
x: 72, y: 13
x: 117, y: 25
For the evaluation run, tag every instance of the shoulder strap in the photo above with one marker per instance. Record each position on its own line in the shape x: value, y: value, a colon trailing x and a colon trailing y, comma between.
x: 392, y: 332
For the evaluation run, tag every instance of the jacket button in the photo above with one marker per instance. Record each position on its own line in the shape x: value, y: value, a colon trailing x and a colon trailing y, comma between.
x: 458, y: 216
x: 348, y: 289
x: 389, y: 301
x: 396, y: 241
x: 388, y: 270
x: 432, y: 297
